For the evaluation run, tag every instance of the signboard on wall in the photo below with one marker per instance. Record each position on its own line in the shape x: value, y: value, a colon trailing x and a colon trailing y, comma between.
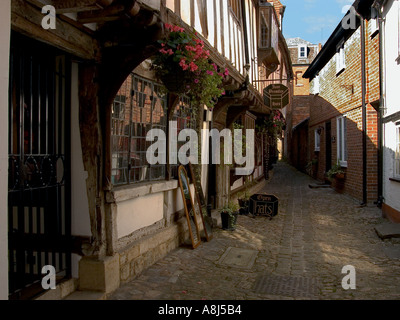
x: 276, y: 96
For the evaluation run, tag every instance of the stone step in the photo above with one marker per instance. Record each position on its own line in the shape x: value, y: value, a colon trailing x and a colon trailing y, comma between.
x: 388, y: 230
x: 86, y: 295
x: 317, y: 185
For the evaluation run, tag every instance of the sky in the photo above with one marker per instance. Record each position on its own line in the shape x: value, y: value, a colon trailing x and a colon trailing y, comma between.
x: 313, y: 20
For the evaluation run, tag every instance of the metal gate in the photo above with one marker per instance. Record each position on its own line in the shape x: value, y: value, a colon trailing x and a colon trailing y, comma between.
x: 39, y: 220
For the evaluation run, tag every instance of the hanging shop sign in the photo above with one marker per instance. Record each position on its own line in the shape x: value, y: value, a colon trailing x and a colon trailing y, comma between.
x: 276, y: 96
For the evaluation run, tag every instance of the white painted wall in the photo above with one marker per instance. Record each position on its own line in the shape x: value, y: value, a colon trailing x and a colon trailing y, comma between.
x: 138, y: 213
x: 391, y: 14
x: 218, y: 19
x: 5, y: 9
x: 80, y: 219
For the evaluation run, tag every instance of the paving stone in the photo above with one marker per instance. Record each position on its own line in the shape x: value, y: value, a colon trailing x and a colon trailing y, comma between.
x: 388, y: 230
x: 316, y: 232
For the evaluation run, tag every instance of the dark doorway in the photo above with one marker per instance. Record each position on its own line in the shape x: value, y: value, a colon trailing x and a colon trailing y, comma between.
x: 39, y: 217
x: 328, y: 146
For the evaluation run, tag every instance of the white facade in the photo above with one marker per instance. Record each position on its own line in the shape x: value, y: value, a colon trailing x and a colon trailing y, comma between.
x: 226, y: 37
x: 391, y: 49
x: 5, y: 15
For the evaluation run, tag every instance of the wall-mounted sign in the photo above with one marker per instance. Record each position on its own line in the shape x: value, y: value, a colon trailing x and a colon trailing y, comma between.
x: 276, y: 96
x: 264, y: 205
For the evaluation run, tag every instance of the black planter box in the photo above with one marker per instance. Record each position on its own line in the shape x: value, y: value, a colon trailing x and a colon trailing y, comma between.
x: 229, y: 221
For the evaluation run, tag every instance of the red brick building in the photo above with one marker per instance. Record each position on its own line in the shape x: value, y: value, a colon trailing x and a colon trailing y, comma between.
x: 302, y: 53
x: 343, y: 118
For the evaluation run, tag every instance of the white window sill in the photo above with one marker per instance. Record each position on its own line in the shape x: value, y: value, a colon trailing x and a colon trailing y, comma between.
x: 395, y: 179
x: 343, y: 164
x: 133, y: 191
x: 338, y: 73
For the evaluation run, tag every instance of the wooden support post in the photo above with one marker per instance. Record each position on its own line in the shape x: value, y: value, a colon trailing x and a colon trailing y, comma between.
x: 92, y: 153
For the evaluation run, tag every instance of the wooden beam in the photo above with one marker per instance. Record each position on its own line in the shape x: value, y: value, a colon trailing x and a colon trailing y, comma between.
x: 68, y: 6
x: 110, y: 13
x: 27, y: 20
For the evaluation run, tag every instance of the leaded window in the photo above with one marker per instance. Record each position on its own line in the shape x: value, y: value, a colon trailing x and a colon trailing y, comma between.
x: 139, y: 107
x: 184, y: 116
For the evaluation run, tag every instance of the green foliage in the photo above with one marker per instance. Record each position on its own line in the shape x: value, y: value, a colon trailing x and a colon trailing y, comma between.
x: 231, y: 208
x: 273, y: 125
x: 336, y: 169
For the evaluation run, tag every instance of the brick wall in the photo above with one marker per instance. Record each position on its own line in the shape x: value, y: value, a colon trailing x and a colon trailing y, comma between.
x: 341, y: 94
x: 301, y: 85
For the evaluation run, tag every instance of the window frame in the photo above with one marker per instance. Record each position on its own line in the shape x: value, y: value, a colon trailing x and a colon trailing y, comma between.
x: 126, y: 132
x: 317, y: 141
x: 305, y: 47
x: 316, y: 86
x: 341, y: 140
x: 398, y: 33
x: 183, y: 115
x: 340, y: 58
x: 396, y: 169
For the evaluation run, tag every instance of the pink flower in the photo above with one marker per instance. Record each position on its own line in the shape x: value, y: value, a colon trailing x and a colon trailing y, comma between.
x: 210, y: 72
x: 178, y: 29
x: 198, y: 41
x: 226, y: 73
x: 183, y: 64
x: 169, y: 51
x: 193, y: 66
x: 215, y: 67
x: 196, y: 81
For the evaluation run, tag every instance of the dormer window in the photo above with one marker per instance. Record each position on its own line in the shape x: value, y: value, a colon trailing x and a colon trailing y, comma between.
x: 302, y: 52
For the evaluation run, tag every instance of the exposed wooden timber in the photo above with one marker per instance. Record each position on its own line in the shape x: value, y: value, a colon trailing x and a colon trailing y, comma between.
x: 110, y: 13
x: 68, y: 6
x: 92, y: 151
x: 27, y: 19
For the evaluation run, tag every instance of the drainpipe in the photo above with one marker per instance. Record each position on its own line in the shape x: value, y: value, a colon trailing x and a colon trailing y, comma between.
x: 364, y: 109
x: 380, y: 199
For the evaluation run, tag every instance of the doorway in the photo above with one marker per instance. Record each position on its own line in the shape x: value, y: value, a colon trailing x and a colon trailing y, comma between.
x: 39, y: 213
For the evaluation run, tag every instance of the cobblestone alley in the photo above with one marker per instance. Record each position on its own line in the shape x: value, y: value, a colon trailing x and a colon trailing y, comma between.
x: 299, y: 254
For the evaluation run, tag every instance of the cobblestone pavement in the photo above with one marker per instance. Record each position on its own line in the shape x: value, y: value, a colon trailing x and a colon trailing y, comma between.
x: 299, y: 254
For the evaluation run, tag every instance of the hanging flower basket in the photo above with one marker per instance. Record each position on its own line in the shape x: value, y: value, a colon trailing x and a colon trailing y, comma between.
x: 175, y: 82
x: 183, y: 65
x: 273, y: 124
